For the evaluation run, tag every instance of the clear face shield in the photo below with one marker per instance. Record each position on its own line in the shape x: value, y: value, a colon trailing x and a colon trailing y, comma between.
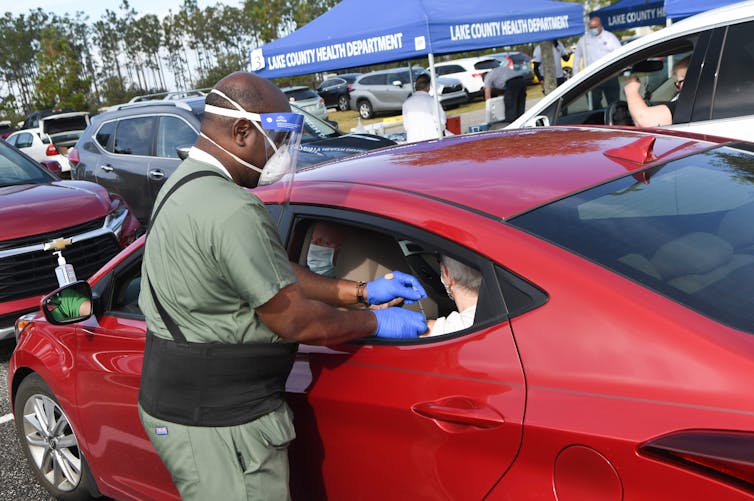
x: 282, y: 133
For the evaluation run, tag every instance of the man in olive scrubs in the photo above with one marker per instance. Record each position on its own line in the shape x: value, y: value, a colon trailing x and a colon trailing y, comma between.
x: 224, y: 308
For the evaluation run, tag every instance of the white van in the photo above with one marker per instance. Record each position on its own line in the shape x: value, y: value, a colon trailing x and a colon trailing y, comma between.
x: 717, y: 97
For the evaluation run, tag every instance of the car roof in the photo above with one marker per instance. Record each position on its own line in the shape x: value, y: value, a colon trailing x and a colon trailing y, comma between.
x: 294, y: 88
x: 503, y: 173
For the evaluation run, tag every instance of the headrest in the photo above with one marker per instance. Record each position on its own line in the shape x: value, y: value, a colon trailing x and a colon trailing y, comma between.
x: 691, y: 254
x: 736, y: 226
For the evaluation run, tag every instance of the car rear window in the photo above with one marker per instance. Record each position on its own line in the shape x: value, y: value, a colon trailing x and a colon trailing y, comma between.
x: 683, y: 229
x: 301, y: 94
x: 487, y: 64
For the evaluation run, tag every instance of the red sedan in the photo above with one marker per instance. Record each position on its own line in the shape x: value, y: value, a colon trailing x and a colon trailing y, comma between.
x: 609, y: 357
x: 40, y: 214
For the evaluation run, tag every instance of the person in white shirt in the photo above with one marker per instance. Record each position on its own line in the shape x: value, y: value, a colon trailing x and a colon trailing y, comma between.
x: 462, y: 284
x: 419, y: 114
x: 592, y: 46
x: 558, y: 52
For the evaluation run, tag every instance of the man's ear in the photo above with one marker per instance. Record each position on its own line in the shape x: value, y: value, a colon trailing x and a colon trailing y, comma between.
x: 445, y: 274
x: 243, y: 131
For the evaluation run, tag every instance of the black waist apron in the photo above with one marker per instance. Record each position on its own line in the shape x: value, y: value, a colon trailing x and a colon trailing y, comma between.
x: 210, y: 384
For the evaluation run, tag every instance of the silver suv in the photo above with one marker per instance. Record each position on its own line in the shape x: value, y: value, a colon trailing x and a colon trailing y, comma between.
x: 386, y: 90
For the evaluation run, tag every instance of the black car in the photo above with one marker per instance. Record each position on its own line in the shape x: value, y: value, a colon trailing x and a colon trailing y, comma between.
x: 133, y: 148
x: 335, y: 91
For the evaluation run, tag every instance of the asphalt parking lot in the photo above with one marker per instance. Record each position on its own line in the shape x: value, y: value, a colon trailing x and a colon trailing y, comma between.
x: 16, y: 480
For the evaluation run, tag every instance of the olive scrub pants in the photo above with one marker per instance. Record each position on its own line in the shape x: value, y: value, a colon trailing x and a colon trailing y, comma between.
x: 233, y: 463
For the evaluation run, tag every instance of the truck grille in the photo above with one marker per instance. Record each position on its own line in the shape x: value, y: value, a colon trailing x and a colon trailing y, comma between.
x: 33, y: 273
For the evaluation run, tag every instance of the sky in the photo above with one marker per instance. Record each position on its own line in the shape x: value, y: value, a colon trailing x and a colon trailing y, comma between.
x: 96, y: 8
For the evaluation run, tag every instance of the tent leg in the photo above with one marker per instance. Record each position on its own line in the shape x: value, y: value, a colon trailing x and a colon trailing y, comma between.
x: 433, y: 76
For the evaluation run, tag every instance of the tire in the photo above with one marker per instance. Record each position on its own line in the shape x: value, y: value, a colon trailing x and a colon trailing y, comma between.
x: 365, y: 109
x: 51, y: 449
x: 343, y: 104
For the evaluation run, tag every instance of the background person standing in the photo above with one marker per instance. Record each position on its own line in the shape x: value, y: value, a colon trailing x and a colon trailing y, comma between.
x: 504, y: 79
x: 558, y: 52
x: 419, y: 116
x: 591, y: 47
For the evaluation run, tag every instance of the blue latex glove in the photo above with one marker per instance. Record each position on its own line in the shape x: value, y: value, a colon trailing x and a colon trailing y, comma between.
x: 399, y: 323
x: 401, y: 284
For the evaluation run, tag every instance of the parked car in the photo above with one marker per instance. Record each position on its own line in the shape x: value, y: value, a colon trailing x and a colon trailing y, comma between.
x: 715, y: 98
x: 336, y: 90
x: 609, y: 358
x: 37, y: 209
x: 131, y: 150
x: 470, y: 71
x: 386, y: 90
x: 306, y: 99
x: 519, y: 61
x: 6, y: 129
x: 52, y: 138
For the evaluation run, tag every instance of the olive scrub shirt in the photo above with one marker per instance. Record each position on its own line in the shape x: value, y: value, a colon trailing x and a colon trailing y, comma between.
x: 213, y: 256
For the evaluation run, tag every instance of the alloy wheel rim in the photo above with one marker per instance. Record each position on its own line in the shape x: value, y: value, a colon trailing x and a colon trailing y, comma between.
x: 51, y: 443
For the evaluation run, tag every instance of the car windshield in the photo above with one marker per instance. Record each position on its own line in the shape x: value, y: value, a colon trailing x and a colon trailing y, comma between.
x: 683, y: 229
x: 301, y: 94
x: 16, y: 169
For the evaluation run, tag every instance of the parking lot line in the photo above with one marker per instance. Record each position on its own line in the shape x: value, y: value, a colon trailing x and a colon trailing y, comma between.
x: 6, y: 418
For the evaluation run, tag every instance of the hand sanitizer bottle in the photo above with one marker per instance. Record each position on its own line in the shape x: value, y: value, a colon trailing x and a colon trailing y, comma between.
x: 64, y: 271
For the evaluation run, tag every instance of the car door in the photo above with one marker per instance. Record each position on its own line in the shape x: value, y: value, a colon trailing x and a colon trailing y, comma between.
x: 108, y: 366
x: 124, y: 168
x: 173, y: 132
x: 30, y: 144
x: 724, y: 102
x: 436, y: 418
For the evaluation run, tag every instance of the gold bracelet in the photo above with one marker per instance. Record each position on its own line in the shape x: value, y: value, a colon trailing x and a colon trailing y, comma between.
x: 360, y: 288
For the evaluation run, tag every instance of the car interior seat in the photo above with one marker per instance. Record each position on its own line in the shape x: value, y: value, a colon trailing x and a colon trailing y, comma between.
x: 697, y: 260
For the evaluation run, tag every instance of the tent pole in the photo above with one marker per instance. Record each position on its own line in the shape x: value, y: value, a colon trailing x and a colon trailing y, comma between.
x: 433, y: 76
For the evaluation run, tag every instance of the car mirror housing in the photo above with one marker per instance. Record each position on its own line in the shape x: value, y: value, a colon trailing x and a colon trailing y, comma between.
x: 69, y: 304
x: 182, y: 152
x: 397, y: 83
x: 648, y: 66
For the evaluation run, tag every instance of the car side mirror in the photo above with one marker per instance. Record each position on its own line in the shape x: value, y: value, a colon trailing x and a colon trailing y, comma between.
x: 397, y: 83
x: 183, y: 152
x: 69, y: 304
x: 52, y: 166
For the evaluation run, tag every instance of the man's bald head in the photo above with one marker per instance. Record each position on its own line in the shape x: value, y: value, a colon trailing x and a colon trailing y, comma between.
x: 251, y: 92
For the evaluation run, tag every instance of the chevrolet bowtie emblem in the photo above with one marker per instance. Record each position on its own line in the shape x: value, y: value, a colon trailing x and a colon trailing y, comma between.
x: 58, y: 244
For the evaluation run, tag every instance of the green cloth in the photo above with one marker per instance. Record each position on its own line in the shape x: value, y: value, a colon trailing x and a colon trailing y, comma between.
x: 212, y: 256
x: 233, y: 463
x: 69, y: 303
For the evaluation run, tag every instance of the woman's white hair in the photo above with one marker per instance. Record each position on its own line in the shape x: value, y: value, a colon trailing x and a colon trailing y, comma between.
x: 465, y: 275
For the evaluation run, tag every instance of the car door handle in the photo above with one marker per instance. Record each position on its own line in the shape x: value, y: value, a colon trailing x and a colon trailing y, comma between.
x: 460, y: 411
x: 156, y: 174
x: 106, y: 168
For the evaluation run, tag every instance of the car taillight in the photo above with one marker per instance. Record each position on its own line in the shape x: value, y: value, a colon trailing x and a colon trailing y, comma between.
x: 321, y: 101
x: 51, y: 150
x: 480, y: 75
x: 725, y: 455
x: 73, y: 156
x: 349, y: 87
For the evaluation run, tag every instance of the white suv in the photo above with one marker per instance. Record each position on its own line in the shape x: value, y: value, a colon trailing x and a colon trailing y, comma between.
x: 717, y: 97
x: 470, y: 71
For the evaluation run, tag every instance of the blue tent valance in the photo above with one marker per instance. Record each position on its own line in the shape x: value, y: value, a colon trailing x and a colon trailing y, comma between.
x: 365, y: 32
x: 627, y: 14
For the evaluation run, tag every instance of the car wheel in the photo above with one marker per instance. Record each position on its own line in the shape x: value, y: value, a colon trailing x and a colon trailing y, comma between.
x: 365, y: 109
x: 343, y: 103
x: 49, y: 442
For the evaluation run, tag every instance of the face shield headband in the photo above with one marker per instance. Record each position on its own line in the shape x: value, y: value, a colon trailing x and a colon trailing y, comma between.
x: 286, y: 129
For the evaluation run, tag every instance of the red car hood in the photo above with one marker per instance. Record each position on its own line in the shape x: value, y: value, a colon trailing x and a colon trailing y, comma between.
x: 31, y: 209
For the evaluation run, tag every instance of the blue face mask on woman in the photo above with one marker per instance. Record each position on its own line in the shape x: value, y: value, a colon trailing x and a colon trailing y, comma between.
x: 319, y: 259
